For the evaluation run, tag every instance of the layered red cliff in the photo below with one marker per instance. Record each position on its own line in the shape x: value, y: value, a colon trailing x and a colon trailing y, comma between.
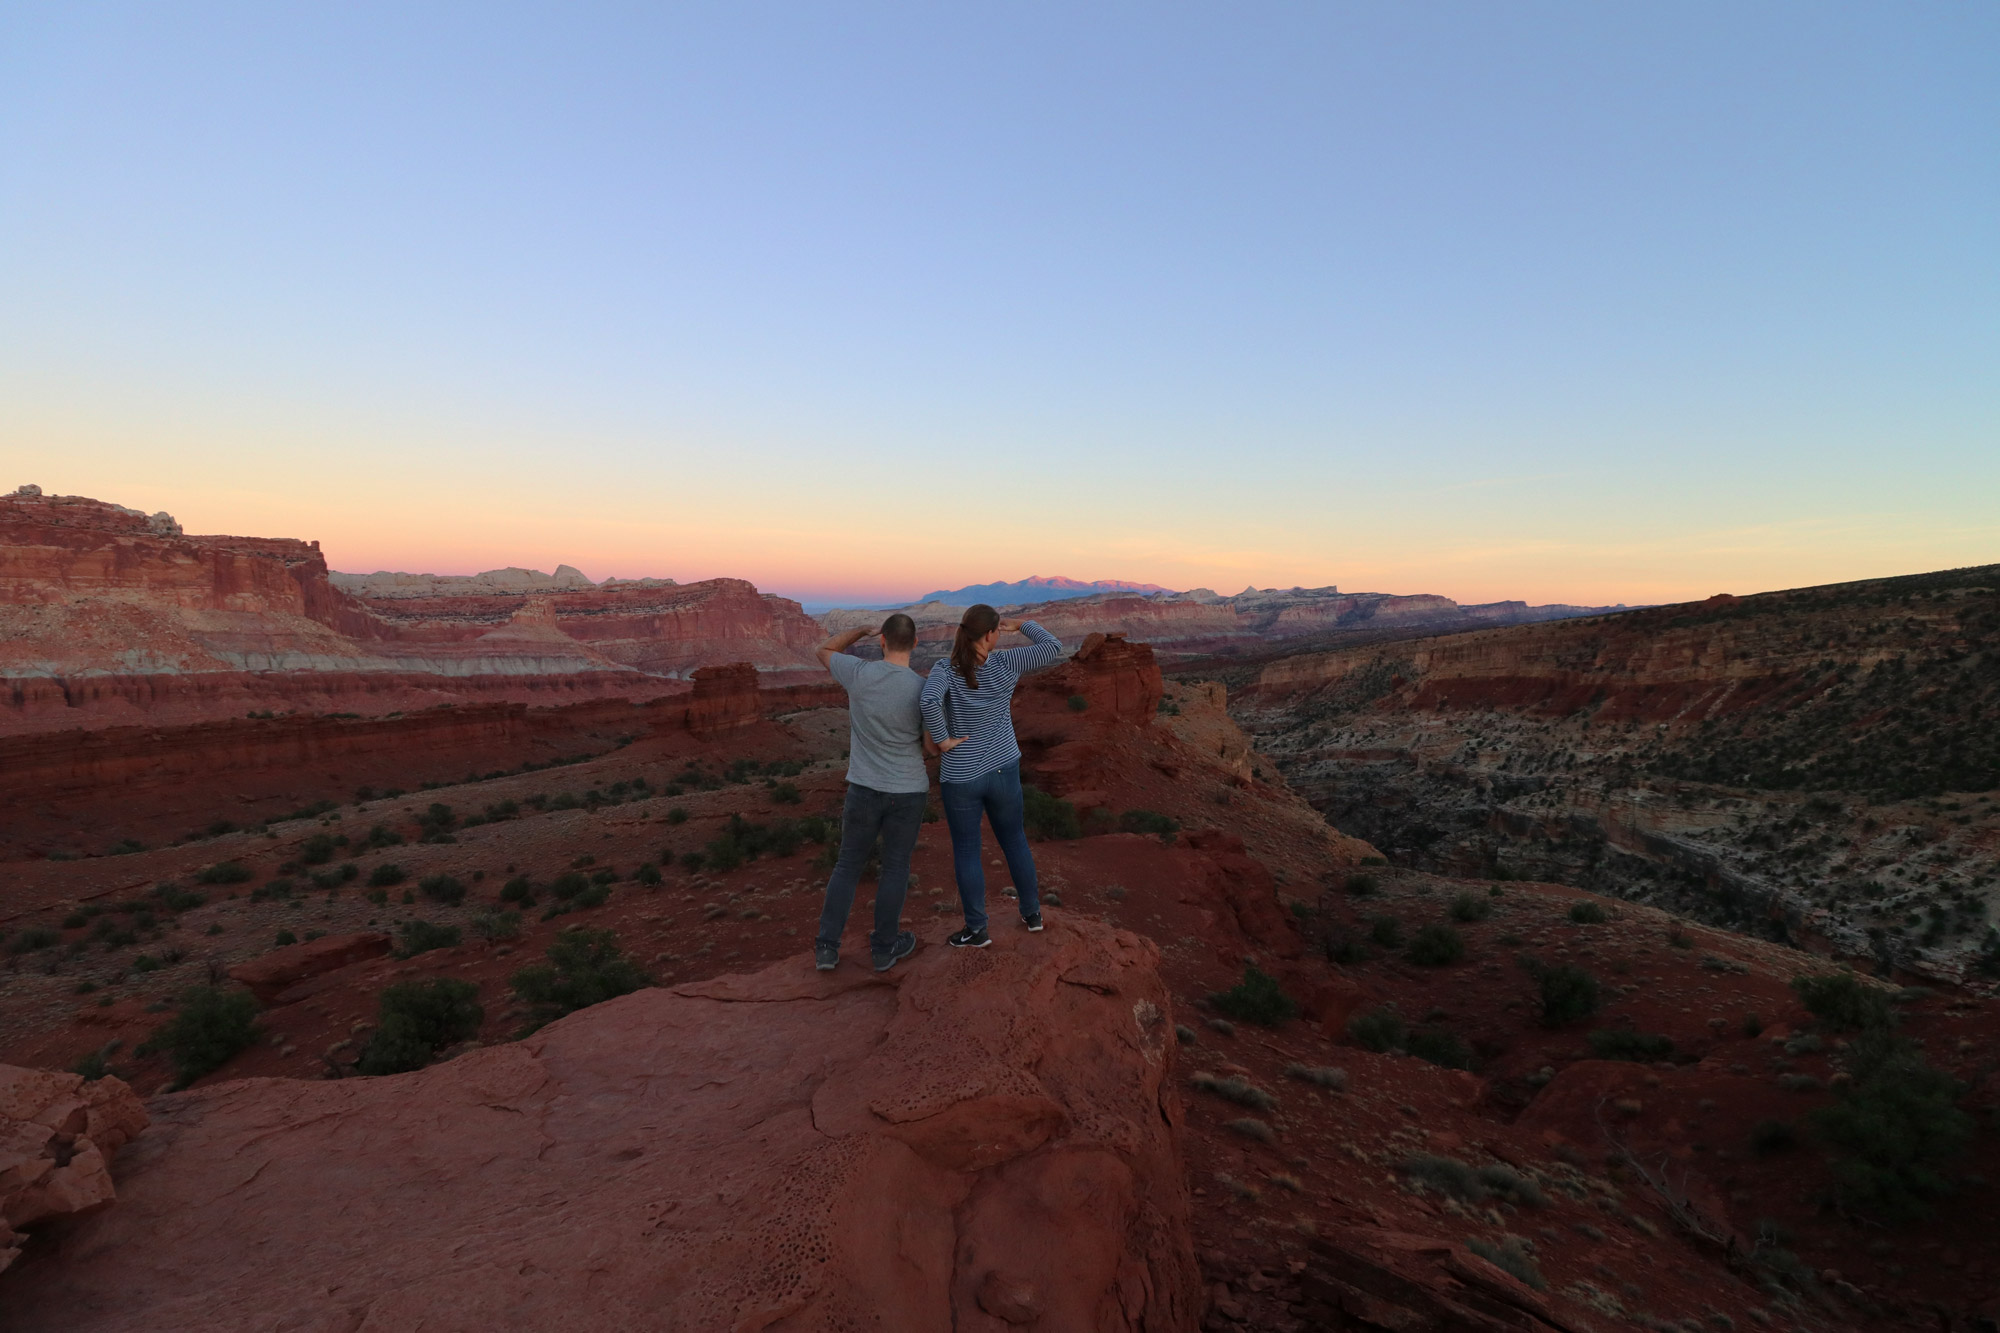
x: 108, y: 616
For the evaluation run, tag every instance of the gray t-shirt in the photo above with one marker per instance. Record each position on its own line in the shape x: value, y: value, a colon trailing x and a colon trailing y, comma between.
x: 883, y: 749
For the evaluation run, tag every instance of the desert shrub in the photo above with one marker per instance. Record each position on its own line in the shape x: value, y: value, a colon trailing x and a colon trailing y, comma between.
x: 1379, y: 1030
x: 1753, y: 1026
x: 1238, y: 1090
x: 1149, y: 821
x: 1772, y: 1136
x: 1625, y: 1044
x: 594, y: 896
x: 1587, y: 914
x: 1251, y: 1128
x: 585, y: 967
x: 213, y: 1024
x: 177, y: 899
x: 1515, y: 1187
x: 1680, y: 939
x: 1469, y: 907
x: 786, y: 793
x: 677, y: 815
x: 1077, y: 703
x: 442, y: 889
x: 647, y: 874
x: 382, y: 836
x: 382, y: 876
x: 1843, y: 1000
x: 1362, y: 886
x: 1895, y: 1130
x: 417, y: 1020
x: 568, y: 885
x: 1568, y: 992
x: 317, y: 850
x: 1256, y: 999
x: 692, y: 861
x: 417, y: 937
x: 1510, y: 1255
x: 517, y: 890
x: 1439, y: 1046
x: 497, y: 925
x: 283, y: 938
x: 1184, y: 1034
x: 1047, y: 817
x: 31, y: 938
x: 1447, y: 1175
x: 223, y: 872
x: 1435, y: 945
x: 1333, y: 1080
x: 1342, y: 946
x: 1386, y: 931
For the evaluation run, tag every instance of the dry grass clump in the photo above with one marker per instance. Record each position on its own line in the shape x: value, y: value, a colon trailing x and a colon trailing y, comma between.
x: 1235, y: 1089
x: 1333, y: 1080
x: 1251, y: 1128
x: 1514, y: 1255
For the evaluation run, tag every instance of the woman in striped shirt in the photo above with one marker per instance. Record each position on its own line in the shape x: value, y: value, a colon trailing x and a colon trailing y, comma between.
x: 966, y: 704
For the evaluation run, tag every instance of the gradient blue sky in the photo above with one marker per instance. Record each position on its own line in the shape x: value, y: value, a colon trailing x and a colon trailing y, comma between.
x: 1586, y: 302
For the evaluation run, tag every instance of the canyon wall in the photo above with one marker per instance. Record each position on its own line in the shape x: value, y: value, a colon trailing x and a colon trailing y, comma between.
x: 1820, y: 766
x: 109, y: 617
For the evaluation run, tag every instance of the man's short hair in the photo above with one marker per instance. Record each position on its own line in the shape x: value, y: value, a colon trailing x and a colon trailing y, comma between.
x: 899, y: 633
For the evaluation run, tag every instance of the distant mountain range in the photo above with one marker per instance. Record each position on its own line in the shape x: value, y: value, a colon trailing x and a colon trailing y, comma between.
x: 1034, y: 589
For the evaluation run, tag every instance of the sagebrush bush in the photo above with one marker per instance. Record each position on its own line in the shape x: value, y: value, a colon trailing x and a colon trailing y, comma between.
x: 443, y: 889
x: 585, y: 967
x: 497, y: 925
x: 386, y: 874
x: 1251, y: 1128
x: 1149, y: 821
x: 30, y: 938
x: 213, y: 1024
x: 518, y: 890
x: 223, y: 872
x: 1047, y: 817
x: 1843, y: 1000
x: 316, y: 850
x: 1435, y: 945
x: 1568, y: 992
x: 1587, y: 913
x: 1380, y: 1030
x: 1256, y: 999
x: 1896, y: 1129
x: 417, y: 937
x: 1468, y: 907
x: 1510, y: 1255
x: 1333, y: 1080
x: 417, y: 1020
x: 1362, y: 886
x: 1235, y: 1089
x: 1625, y: 1044
x: 1386, y: 931
x: 1439, y: 1046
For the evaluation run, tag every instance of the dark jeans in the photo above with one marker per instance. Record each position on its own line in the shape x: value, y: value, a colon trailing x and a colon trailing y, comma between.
x: 895, y: 816
x: 998, y: 796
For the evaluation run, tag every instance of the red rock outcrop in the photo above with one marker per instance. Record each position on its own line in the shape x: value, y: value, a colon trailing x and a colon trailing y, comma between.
x: 724, y: 700
x: 270, y: 975
x: 58, y: 1134
x: 979, y: 1140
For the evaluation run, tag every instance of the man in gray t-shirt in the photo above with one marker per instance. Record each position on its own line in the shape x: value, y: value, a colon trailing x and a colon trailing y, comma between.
x: 887, y: 789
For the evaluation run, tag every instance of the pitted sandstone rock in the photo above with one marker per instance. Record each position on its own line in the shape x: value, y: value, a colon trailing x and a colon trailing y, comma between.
x: 968, y: 1142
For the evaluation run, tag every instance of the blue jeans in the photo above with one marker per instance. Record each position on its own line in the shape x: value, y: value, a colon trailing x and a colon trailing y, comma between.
x: 998, y: 796
x: 895, y: 816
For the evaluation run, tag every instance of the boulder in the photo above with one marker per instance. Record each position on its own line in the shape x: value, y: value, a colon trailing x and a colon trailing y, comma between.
x: 58, y: 1134
x: 981, y: 1140
x: 270, y: 975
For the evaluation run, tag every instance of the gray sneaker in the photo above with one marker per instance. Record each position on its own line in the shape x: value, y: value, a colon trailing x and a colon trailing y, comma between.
x: 825, y: 957
x: 906, y: 944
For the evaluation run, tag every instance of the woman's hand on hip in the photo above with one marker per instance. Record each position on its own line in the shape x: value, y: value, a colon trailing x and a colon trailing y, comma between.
x: 949, y: 744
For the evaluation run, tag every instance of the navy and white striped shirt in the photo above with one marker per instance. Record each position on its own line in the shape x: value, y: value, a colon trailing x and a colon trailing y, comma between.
x: 983, y: 716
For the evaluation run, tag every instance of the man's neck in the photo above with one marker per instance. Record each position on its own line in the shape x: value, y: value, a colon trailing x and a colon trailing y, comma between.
x: 894, y: 658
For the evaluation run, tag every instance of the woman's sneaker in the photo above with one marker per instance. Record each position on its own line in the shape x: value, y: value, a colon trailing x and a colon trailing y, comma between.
x: 825, y: 957
x: 906, y: 944
x: 1032, y: 922
x: 970, y: 939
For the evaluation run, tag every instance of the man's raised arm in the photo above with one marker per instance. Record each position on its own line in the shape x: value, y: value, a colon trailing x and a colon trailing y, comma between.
x: 840, y: 643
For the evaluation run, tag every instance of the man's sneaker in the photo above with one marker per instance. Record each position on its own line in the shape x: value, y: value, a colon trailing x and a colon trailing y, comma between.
x: 1032, y: 922
x: 825, y: 957
x: 970, y: 939
x: 906, y: 944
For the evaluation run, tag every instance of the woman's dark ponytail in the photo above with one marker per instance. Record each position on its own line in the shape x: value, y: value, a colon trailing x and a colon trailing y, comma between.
x: 978, y: 622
